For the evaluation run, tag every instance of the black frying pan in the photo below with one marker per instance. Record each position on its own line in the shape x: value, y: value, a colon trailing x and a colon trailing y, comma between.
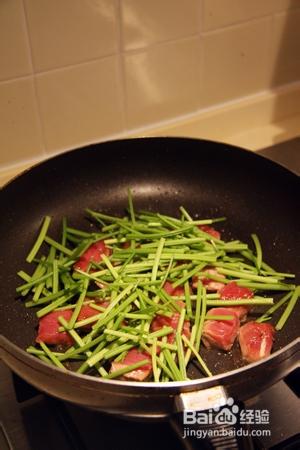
x: 209, y: 179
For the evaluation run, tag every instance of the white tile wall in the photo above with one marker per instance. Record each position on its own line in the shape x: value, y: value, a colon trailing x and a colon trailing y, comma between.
x: 64, y: 32
x: 19, y: 122
x: 236, y: 61
x: 147, y: 22
x: 222, y: 13
x: 14, y: 48
x: 76, y: 71
x: 163, y: 81
x: 77, y: 108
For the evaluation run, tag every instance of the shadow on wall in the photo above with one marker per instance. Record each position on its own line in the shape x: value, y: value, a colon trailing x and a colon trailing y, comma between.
x: 285, y: 50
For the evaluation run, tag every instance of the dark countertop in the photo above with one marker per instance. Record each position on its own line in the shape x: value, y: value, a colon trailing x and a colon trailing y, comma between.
x: 286, y: 153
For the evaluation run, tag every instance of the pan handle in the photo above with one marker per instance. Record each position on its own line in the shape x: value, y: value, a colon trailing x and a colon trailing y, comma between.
x: 198, y: 423
x: 198, y: 415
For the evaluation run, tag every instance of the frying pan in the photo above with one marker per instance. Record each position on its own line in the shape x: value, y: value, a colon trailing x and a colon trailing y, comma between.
x: 210, y: 179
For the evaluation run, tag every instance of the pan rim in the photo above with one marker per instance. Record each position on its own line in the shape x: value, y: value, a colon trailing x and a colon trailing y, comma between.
x: 52, y: 158
x: 152, y: 385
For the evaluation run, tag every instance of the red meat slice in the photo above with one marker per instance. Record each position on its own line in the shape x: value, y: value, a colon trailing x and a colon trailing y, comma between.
x: 48, y: 328
x: 211, y: 285
x: 232, y: 291
x: 48, y: 325
x: 87, y: 311
x: 160, y: 321
x: 256, y: 340
x: 133, y: 356
x: 163, y: 321
x: 210, y: 230
x: 220, y: 333
x: 174, y: 292
x: 93, y: 253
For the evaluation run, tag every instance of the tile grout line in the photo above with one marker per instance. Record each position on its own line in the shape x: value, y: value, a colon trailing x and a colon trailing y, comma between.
x: 201, y: 17
x: 135, y: 51
x: 94, y: 60
x: 270, y: 49
x: 73, y: 65
x: 40, y: 121
x: 244, y: 22
x: 201, y: 44
x: 16, y: 78
x: 120, y: 64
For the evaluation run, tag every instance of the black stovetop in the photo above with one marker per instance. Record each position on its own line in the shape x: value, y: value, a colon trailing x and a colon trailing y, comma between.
x: 30, y: 420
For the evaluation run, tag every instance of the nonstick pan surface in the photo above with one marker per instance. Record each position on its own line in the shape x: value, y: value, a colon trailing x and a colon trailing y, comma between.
x: 209, y: 179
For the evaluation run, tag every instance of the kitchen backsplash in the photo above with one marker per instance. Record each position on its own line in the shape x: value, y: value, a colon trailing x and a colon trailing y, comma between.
x: 78, y: 71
